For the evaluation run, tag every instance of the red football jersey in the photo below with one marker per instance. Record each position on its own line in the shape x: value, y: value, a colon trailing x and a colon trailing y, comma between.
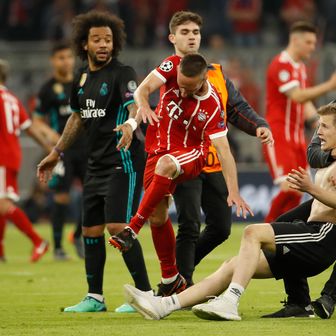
x: 13, y: 118
x: 285, y: 116
x: 189, y: 122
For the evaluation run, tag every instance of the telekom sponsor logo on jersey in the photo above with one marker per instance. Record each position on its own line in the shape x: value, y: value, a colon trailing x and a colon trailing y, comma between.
x: 91, y: 111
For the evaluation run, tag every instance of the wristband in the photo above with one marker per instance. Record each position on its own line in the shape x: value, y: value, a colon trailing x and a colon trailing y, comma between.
x: 59, y: 152
x: 133, y: 123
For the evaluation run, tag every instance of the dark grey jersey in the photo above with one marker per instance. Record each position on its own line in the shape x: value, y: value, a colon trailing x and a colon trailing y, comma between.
x: 101, y: 97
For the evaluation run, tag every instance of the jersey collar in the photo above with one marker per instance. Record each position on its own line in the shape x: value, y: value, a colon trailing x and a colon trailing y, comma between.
x: 206, y: 96
x: 285, y: 56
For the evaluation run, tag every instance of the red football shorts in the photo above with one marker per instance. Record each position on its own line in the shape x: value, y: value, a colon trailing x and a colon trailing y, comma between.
x: 284, y: 156
x: 189, y: 163
x: 8, y: 184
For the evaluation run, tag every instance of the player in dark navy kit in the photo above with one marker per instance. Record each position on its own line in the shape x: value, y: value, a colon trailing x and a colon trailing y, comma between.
x: 102, y: 99
x: 53, y: 107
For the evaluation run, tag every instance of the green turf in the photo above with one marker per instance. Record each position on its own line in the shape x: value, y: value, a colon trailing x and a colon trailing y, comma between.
x: 32, y: 295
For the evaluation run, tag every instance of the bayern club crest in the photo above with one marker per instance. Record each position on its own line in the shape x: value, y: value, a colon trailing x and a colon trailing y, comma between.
x: 166, y: 66
x: 202, y: 115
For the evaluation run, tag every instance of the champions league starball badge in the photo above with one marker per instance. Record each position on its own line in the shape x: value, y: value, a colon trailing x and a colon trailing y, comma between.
x: 131, y: 86
x: 166, y: 66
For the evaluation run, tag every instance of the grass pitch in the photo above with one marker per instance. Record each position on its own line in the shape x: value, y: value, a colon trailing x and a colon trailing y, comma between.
x: 32, y: 295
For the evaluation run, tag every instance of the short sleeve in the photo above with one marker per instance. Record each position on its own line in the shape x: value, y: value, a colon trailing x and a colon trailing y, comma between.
x: 167, y: 69
x: 127, y: 85
x: 282, y: 75
x: 76, y: 90
x: 216, y: 127
x: 25, y: 122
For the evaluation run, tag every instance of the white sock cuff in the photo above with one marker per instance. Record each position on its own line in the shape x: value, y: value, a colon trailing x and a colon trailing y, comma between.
x: 236, y: 285
x: 98, y: 297
x: 167, y: 281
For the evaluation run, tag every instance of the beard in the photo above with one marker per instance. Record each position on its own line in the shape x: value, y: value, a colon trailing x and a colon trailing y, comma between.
x: 96, y: 61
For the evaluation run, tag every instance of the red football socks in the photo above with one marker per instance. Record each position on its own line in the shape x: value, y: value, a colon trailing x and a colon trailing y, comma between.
x: 21, y: 221
x: 156, y: 191
x: 165, y: 246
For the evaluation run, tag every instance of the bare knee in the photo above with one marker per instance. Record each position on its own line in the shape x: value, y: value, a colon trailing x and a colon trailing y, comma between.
x: 250, y: 232
x: 260, y: 233
x: 166, y: 167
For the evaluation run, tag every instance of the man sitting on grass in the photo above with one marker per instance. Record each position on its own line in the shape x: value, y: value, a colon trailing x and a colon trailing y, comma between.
x: 293, y: 249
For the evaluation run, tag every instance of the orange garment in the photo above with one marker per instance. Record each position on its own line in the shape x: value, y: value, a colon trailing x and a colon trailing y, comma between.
x: 216, y: 78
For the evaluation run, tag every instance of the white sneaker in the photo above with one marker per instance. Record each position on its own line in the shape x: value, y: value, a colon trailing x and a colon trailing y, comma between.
x: 148, y: 305
x: 218, y: 308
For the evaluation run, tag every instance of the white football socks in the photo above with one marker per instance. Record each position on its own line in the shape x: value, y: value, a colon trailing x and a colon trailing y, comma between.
x: 171, y: 303
x: 234, y: 292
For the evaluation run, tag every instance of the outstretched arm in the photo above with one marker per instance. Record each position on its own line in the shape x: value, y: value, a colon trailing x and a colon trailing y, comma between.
x: 141, y: 95
x: 300, y: 95
x: 229, y: 170
x: 40, y: 135
x: 71, y: 131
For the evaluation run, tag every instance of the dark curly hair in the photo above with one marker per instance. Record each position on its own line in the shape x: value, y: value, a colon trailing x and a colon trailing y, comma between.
x: 82, y: 24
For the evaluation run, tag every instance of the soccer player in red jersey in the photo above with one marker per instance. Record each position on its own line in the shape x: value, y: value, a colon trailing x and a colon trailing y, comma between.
x: 288, y: 105
x: 188, y: 117
x: 13, y: 119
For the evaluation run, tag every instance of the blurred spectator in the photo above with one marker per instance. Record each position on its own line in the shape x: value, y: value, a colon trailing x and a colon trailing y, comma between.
x: 38, y: 205
x: 246, y: 17
x: 328, y: 10
x: 250, y: 89
x: 215, y: 20
x: 101, y: 5
x: 297, y: 10
x: 60, y: 18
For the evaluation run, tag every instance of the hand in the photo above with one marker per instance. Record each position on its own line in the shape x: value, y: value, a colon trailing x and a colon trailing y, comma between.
x: 241, y: 205
x: 300, y: 180
x: 265, y: 135
x: 46, y: 166
x: 147, y: 115
x: 127, y: 136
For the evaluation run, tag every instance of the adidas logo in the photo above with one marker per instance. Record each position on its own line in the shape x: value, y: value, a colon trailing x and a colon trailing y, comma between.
x: 285, y: 250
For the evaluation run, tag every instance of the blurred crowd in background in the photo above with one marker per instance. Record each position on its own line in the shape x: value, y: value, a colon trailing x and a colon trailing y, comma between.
x: 235, y: 22
x: 242, y: 35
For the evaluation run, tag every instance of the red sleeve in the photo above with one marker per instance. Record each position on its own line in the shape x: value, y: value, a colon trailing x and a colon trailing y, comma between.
x: 24, y: 122
x: 168, y: 68
x: 216, y: 127
x: 281, y: 73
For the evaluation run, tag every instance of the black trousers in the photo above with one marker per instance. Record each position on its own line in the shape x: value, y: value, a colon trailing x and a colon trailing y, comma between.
x: 209, y: 192
x: 297, y: 289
